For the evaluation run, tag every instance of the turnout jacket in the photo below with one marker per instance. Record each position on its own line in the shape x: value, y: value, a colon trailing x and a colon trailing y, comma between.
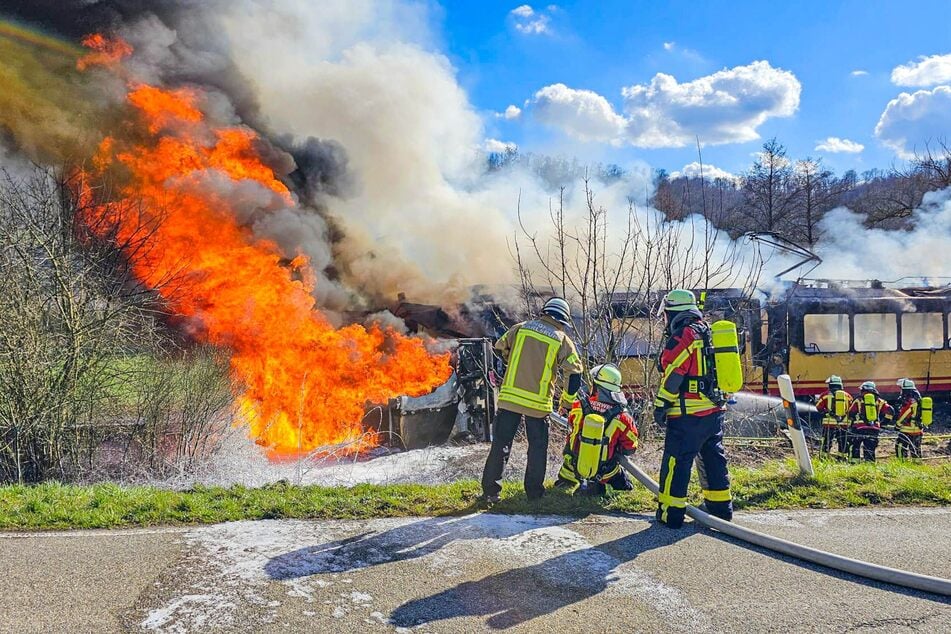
x: 826, y: 406
x: 683, y: 370
x: 884, y: 412
x: 907, y: 421
x: 621, y: 434
x: 534, y: 351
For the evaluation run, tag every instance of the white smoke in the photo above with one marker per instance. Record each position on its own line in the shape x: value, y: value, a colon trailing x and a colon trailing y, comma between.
x: 421, y: 215
x: 852, y: 251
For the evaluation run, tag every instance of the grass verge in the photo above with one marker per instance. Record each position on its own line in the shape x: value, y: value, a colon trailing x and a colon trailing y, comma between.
x: 775, y: 485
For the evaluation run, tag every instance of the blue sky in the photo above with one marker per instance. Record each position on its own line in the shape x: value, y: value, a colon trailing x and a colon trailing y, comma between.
x: 504, y: 58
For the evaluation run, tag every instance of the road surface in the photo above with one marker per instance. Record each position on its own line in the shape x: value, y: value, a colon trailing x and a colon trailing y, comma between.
x: 477, y: 573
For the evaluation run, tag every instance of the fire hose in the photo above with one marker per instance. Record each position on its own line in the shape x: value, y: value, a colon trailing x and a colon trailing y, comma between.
x: 867, y: 570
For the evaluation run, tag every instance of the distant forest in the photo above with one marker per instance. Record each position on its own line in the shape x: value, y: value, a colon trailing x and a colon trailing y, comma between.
x: 778, y: 193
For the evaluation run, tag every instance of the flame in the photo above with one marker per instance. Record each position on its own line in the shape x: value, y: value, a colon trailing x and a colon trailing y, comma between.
x: 103, y: 51
x: 303, y: 383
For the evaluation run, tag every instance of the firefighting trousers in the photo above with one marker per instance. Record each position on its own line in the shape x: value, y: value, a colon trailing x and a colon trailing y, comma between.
x: 689, y: 439
x: 834, y: 434
x: 862, y: 445
x: 503, y: 433
x: 567, y: 479
x: 908, y: 445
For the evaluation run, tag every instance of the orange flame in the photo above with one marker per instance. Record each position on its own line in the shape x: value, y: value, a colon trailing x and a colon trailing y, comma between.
x: 304, y: 383
x: 103, y: 51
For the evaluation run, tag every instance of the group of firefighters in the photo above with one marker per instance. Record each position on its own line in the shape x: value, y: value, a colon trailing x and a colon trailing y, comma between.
x: 695, y: 366
x: 854, y: 424
x: 601, y: 429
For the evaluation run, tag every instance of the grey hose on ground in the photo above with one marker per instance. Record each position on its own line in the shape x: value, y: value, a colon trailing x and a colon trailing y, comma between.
x: 936, y: 585
x: 903, y: 578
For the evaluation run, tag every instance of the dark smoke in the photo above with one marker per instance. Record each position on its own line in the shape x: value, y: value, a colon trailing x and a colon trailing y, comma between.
x: 322, y: 168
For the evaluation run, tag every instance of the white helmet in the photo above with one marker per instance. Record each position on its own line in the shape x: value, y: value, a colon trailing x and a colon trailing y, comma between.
x: 558, y: 309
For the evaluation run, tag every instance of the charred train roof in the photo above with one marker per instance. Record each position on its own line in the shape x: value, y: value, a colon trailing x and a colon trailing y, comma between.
x: 809, y: 299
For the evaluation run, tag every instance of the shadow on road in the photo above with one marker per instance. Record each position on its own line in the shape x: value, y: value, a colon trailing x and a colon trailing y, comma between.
x: 406, y: 541
x: 519, y: 595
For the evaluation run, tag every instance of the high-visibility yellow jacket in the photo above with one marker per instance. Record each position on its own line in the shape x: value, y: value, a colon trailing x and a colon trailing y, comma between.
x: 534, y: 351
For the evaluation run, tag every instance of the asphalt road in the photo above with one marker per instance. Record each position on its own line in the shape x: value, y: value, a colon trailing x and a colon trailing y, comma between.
x: 477, y: 573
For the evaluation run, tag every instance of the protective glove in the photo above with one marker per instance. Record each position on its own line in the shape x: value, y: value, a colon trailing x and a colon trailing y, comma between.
x: 660, y: 415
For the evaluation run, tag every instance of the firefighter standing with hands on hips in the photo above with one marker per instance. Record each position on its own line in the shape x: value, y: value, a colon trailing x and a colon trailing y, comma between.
x: 867, y: 412
x: 914, y: 414
x: 699, y: 366
x: 834, y: 407
x: 534, y: 352
x: 601, y: 430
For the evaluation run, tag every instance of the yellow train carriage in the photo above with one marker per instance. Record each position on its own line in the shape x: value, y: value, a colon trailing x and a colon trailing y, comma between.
x: 860, y: 333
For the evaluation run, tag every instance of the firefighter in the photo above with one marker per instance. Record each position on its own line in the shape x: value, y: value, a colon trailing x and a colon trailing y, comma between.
x: 534, y: 351
x: 913, y: 416
x: 601, y: 430
x: 691, y: 404
x: 834, y: 407
x: 867, y: 413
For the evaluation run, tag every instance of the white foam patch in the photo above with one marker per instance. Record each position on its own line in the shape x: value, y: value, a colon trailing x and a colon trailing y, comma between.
x: 243, y: 463
x: 318, y: 558
x: 192, y: 612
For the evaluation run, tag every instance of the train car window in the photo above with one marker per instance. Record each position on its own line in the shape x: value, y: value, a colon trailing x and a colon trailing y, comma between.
x: 826, y: 333
x: 922, y: 331
x: 876, y: 332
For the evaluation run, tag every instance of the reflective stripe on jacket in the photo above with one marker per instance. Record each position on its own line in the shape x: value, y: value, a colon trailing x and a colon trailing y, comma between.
x: 682, y: 366
x: 826, y: 406
x: 883, y: 410
x: 534, y: 350
x: 907, y: 420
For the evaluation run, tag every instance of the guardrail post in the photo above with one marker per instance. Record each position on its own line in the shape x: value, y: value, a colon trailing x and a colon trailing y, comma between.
x: 795, y: 425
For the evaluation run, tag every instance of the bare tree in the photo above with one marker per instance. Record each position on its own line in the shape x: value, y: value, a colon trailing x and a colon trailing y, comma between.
x: 771, y: 191
x: 79, y: 332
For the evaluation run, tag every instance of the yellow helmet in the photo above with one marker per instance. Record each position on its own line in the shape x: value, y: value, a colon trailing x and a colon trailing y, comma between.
x: 607, y: 376
x: 679, y: 300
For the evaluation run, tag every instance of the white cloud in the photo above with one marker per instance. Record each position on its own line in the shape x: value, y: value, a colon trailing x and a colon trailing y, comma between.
x: 669, y: 46
x: 524, y: 11
x: 499, y: 147
x: 835, y: 144
x: 531, y: 22
x: 912, y: 120
x: 510, y: 113
x: 582, y: 114
x: 859, y: 73
x: 725, y: 107
x: 927, y: 71
x: 710, y: 172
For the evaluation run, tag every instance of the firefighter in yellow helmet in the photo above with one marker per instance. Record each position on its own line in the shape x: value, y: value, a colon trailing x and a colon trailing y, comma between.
x: 834, y: 407
x: 693, y: 407
x: 601, y: 430
x: 912, y: 418
x: 868, y: 413
x: 534, y: 351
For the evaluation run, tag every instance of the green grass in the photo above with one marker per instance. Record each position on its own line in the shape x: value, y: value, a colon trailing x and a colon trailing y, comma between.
x: 775, y: 485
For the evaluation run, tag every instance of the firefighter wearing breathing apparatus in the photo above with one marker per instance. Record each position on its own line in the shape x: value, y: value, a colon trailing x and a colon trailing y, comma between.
x: 533, y: 351
x: 867, y: 414
x: 834, y: 407
x: 601, y: 430
x: 914, y: 414
x: 699, y: 366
